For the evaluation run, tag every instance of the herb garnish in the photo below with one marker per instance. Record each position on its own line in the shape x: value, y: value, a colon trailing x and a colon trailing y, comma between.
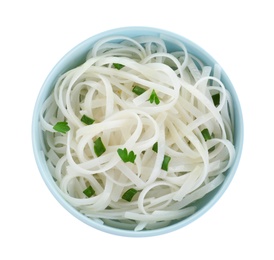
x: 206, y: 134
x: 138, y: 90
x: 155, y: 147
x: 154, y: 98
x: 125, y: 156
x: 61, y: 127
x: 128, y: 195
x: 99, y: 147
x: 118, y: 66
x: 166, y: 162
x: 89, y: 191
x: 166, y: 159
x: 87, y: 120
x: 216, y: 99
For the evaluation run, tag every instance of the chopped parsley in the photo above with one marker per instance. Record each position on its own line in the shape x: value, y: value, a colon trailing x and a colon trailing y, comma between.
x: 206, y: 134
x: 126, y: 156
x: 87, y: 120
x: 166, y: 162
x: 118, y: 66
x: 89, y: 191
x: 128, y: 195
x: 154, y: 98
x: 99, y: 147
x: 138, y: 90
x: 61, y: 127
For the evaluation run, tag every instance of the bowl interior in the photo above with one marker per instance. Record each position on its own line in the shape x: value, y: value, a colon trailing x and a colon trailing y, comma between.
x: 76, y: 57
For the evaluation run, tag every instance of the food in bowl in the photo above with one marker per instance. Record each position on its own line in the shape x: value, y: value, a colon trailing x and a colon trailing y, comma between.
x: 135, y: 135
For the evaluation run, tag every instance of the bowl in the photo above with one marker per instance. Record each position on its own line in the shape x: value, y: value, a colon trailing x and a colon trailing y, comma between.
x: 76, y: 57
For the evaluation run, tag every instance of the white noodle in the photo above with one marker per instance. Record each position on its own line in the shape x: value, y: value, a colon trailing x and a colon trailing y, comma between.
x: 184, y: 86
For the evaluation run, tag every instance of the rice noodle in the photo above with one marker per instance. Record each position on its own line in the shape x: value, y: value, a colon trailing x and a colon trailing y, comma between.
x: 123, y: 119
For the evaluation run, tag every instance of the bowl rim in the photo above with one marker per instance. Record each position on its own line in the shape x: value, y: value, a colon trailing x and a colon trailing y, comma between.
x: 44, y: 171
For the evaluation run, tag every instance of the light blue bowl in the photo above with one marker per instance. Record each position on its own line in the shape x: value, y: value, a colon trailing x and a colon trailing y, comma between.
x: 77, y: 56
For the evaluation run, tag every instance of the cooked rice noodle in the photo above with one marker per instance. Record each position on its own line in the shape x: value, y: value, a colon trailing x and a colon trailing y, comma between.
x: 123, y: 119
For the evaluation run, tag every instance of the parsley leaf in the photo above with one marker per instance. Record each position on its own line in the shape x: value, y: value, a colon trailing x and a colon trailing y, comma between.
x: 128, y: 195
x: 216, y: 99
x: 89, y: 191
x: 118, y: 66
x: 61, y: 127
x: 125, y: 156
x: 138, y: 90
x: 154, y: 98
x: 87, y: 120
x: 155, y: 147
x: 166, y: 162
x: 206, y: 134
x: 99, y: 147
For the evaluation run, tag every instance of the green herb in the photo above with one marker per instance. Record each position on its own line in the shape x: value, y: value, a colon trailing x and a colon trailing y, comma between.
x: 211, y: 149
x: 89, y: 191
x: 155, y: 147
x: 154, y: 98
x: 138, y: 90
x: 87, y: 120
x: 216, y: 99
x: 165, y: 162
x: 61, y: 127
x: 128, y: 195
x: 118, y: 66
x: 125, y: 156
x: 206, y: 134
x: 99, y: 147
x: 166, y: 157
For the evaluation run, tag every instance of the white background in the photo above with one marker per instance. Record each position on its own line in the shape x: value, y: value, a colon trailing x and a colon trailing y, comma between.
x: 36, y: 34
